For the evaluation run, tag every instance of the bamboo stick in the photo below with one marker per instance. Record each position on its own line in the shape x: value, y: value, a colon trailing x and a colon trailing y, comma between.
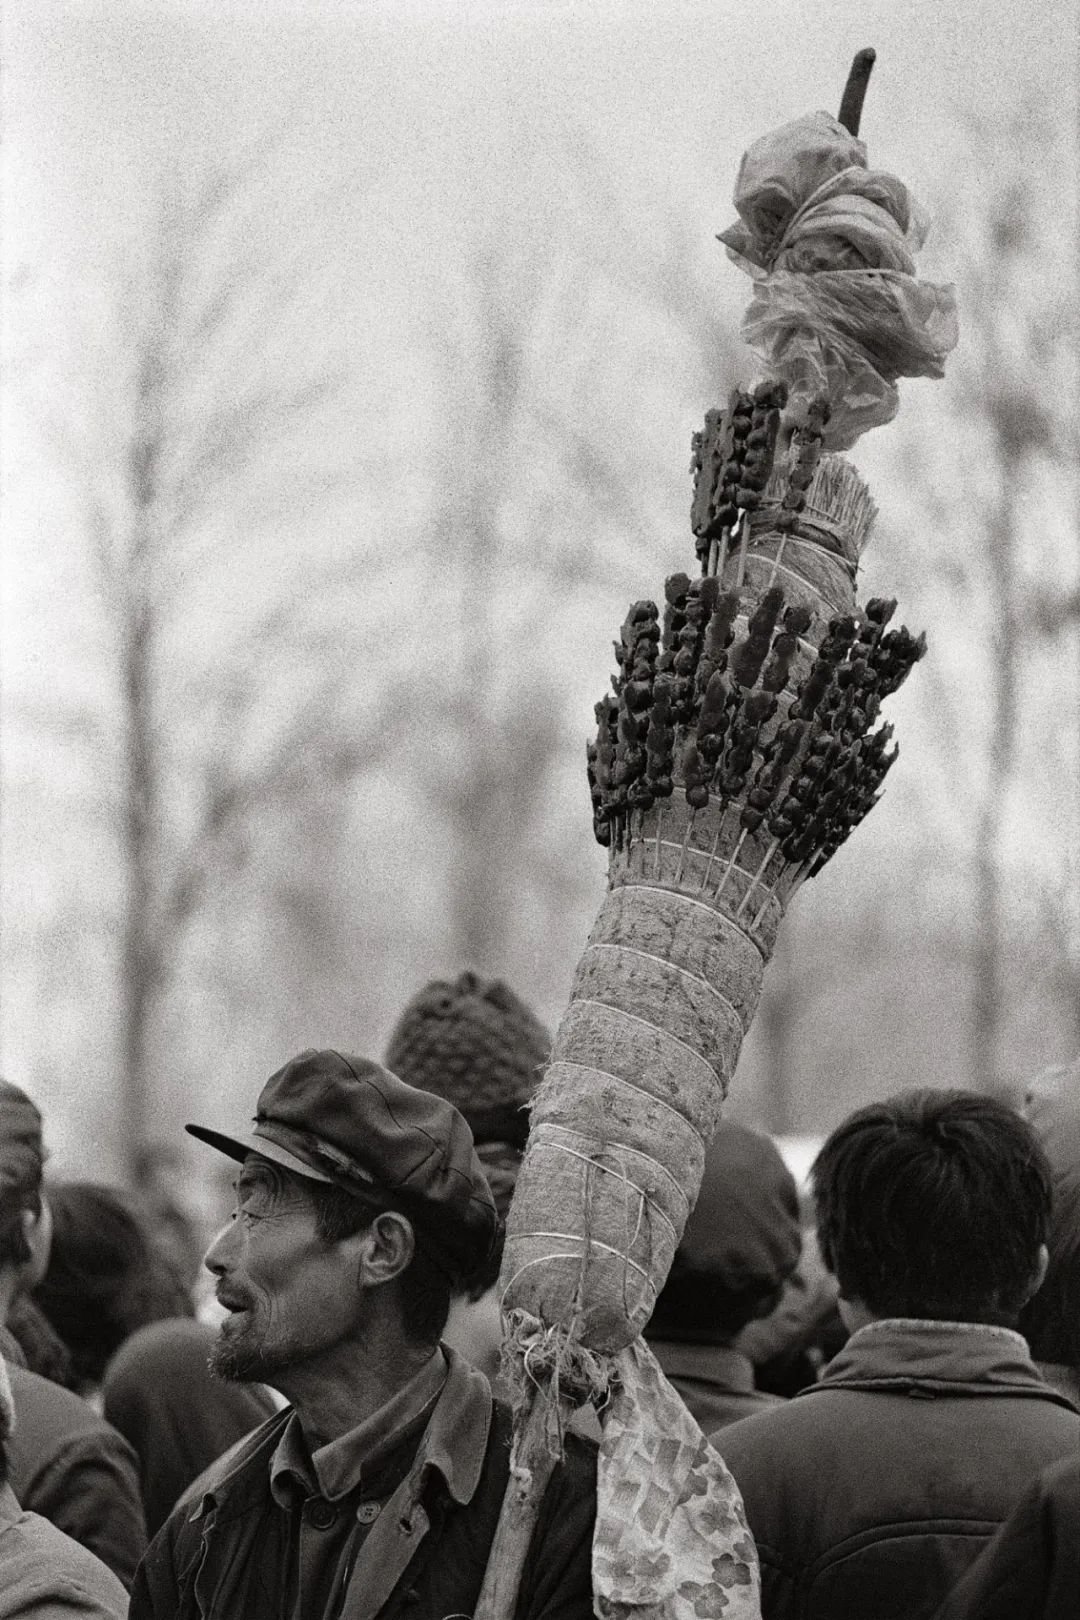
x: 531, y: 1465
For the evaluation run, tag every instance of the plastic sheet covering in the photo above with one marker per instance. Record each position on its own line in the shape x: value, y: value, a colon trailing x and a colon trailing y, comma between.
x: 837, y: 309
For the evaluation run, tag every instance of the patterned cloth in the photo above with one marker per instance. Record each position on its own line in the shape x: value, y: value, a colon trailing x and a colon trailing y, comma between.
x: 671, y: 1539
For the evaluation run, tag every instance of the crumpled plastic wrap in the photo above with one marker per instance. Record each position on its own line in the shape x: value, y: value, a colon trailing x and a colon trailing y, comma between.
x: 837, y: 308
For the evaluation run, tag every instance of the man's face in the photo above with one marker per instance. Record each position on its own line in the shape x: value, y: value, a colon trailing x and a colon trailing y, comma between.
x: 289, y: 1295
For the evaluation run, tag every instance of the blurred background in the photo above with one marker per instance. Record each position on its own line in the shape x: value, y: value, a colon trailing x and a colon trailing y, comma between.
x: 352, y: 357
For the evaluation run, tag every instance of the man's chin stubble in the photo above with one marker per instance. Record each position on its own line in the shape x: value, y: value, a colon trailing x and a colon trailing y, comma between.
x: 237, y: 1363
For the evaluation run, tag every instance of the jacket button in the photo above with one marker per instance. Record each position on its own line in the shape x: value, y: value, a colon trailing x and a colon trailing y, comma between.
x: 368, y: 1512
x: 319, y: 1513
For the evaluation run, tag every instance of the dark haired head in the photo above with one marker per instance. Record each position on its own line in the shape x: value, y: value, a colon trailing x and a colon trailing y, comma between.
x: 425, y: 1288
x: 105, y: 1277
x: 934, y: 1204
x: 1050, y: 1321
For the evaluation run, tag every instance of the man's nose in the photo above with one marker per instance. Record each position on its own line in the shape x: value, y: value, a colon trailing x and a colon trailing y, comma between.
x: 221, y: 1254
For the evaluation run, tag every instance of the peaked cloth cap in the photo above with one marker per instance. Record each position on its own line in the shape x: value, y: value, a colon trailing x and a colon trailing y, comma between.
x: 350, y: 1122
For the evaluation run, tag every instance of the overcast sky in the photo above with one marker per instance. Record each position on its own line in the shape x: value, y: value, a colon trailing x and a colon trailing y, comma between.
x: 402, y: 127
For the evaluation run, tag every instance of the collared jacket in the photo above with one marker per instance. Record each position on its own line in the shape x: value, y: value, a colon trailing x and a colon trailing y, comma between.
x: 44, y: 1575
x: 870, y: 1493
x: 426, y: 1551
x: 716, y: 1382
x: 73, y: 1468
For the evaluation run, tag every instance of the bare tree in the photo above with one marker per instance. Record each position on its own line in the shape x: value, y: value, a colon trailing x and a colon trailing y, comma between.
x: 993, y: 488
x: 175, y: 476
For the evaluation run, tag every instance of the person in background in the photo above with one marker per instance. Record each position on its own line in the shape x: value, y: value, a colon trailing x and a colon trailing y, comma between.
x: 44, y: 1575
x: 105, y: 1278
x: 1031, y: 1569
x: 477, y: 1044
x: 872, y: 1491
x: 361, y: 1206
x: 741, y: 1243
x: 178, y: 1418
x: 1052, y: 1109
x: 1050, y: 1321
x: 29, y: 1339
x: 162, y: 1201
x: 64, y: 1462
x: 789, y: 1347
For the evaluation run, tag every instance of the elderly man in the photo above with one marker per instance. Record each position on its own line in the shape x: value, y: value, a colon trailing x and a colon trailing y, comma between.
x: 360, y: 1207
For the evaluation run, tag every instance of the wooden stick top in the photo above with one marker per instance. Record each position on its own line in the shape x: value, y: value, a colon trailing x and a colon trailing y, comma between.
x: 851, y: 104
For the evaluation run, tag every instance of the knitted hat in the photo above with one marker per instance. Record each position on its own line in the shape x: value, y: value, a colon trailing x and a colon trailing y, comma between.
x: 476, y: 1044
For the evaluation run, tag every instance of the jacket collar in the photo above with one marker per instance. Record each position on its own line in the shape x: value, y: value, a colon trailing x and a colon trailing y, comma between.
x: 340, y: 1466
x: 455, y: 1441
x: 453, y: 1445
x: 714, y: 1364
x: 903, y: 1354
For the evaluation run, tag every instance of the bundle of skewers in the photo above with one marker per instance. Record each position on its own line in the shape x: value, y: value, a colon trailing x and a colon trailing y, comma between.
x: 740, y: 745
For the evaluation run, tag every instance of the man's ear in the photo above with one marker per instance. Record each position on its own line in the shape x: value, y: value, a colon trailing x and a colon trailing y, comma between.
x: 37, y: 1232
x: 1042, y: 1263
x: 385, y: 1248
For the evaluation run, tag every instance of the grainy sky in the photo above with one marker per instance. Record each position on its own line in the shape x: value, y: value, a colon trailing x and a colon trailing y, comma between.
x: 405, y: 127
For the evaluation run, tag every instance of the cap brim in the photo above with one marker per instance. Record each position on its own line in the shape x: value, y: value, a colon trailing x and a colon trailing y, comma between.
x: 238, y: 1148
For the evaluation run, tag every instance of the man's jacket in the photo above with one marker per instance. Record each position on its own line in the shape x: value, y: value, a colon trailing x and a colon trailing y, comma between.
x: 715, y: 1381
x: 73, y: 1468
x: 1031, y: 1569
x: 426, y: 1546
x: 44, y: 1575
x: 870, y: 1493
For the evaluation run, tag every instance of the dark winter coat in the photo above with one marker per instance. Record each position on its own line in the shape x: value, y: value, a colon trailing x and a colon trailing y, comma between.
x: 160, y: 1393
x: 426, y: 1551
x: 871, y: 1493
x: 71, y: 1467
x: 715, y: 1382
x: 44, y: 1575
x: 1031, y: 1569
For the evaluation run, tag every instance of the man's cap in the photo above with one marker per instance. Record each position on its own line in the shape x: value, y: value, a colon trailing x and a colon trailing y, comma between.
x: 21, y: 1151
x: 744, y: 1228
x: 476, y: 1043
x: 351, y: 1123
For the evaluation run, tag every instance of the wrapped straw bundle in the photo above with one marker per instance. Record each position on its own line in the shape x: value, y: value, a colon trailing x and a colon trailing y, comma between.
x: 740, y: 745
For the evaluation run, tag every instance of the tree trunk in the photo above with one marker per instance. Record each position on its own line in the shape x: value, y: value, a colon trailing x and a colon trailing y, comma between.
x: 140, y: 951
x: 988, y: 1007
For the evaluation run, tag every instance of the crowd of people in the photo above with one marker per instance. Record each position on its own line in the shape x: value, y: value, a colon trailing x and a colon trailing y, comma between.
x: 894, y: 1384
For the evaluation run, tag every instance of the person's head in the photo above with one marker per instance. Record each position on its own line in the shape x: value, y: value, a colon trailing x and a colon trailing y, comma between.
x: 105, y: 1276
x: 1050, y: 1321
x: 740, y: 1244
x: 25, y: 1226
x: 477, y: 1044
x: 361, y: 1206
x: 934, y: 1205
x: 1052, y: 1109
